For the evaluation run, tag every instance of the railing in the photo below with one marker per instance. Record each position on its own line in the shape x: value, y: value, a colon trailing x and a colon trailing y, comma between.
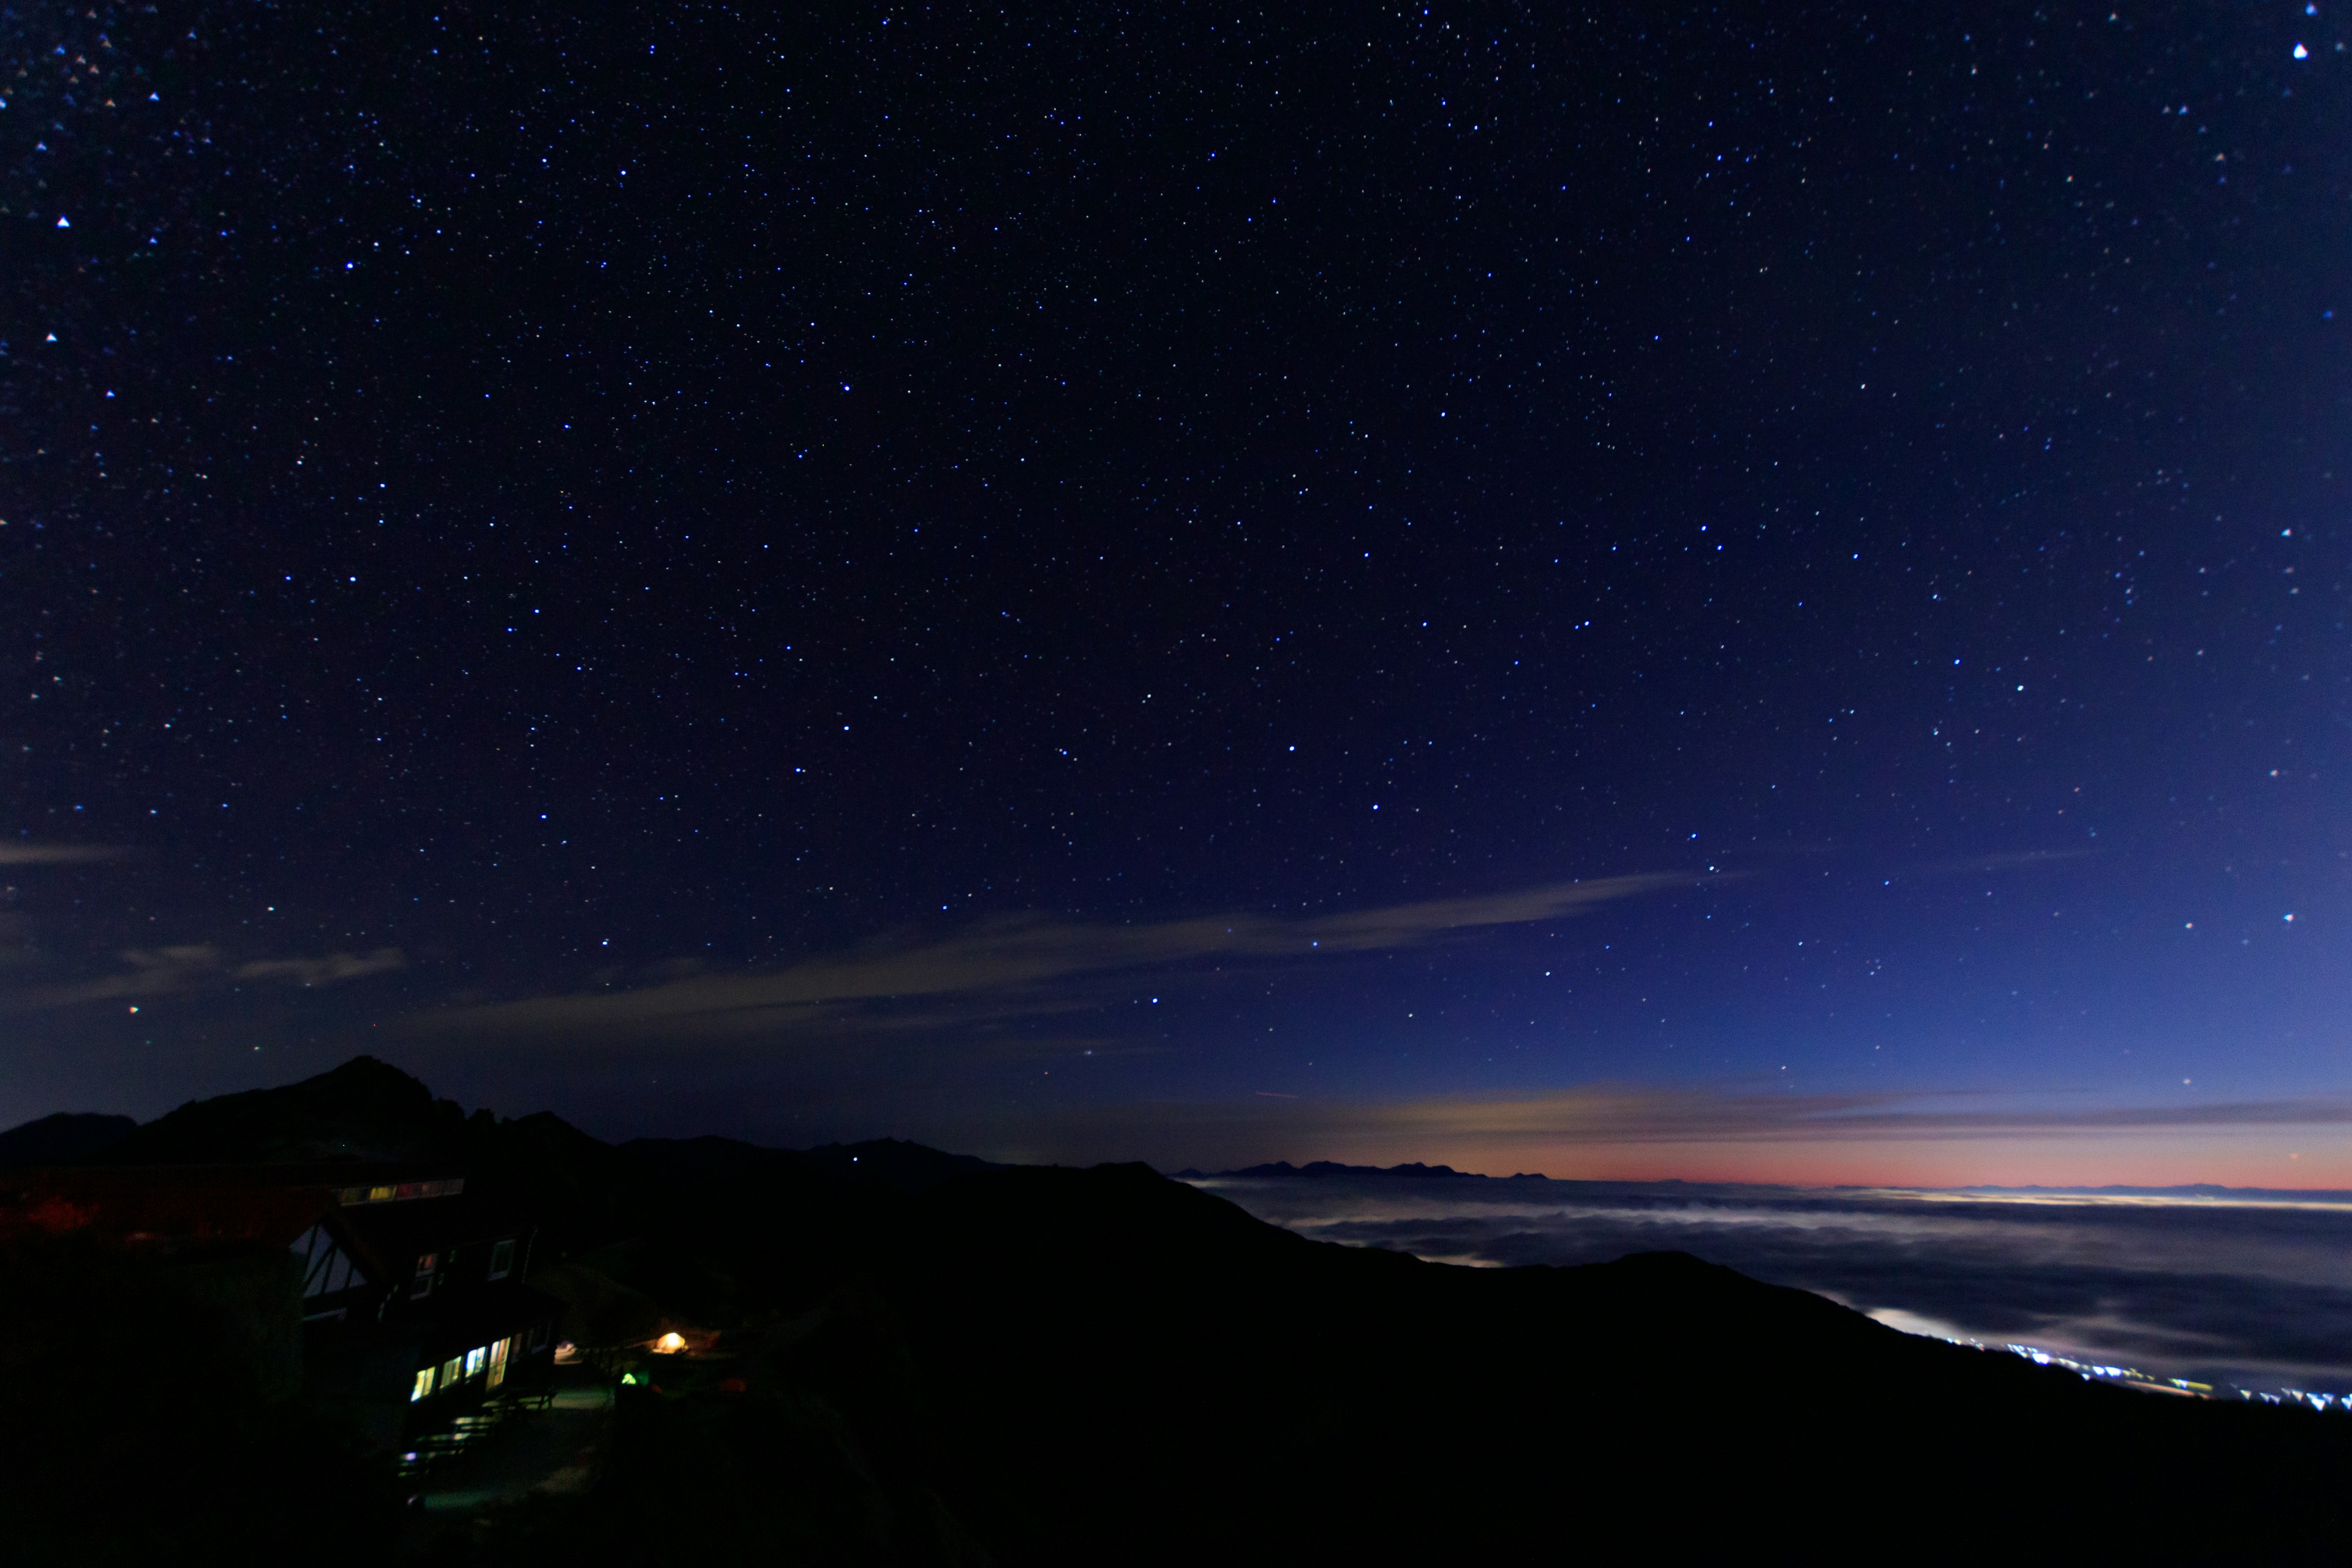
x: 433, y: 1449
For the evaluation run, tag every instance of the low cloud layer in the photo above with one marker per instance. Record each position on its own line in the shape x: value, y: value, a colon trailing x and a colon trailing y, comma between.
x: 164, y: 971
x: 1010, y: 968
x: 2243, y: 1288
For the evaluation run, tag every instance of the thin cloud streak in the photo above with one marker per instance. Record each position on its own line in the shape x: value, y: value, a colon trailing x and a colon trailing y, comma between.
x: 332, y: 969
x: 21, y: 854
x: 1002, y: 966
x: 164, y: 971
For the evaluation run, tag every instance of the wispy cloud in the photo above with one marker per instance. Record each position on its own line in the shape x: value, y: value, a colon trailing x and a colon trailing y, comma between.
x: 1016, y: 967
x: 162, y: 970
x: 19, y: 853
x: 332, y: 969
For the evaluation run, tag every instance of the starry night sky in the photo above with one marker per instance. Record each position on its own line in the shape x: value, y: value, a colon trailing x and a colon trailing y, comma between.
x: 1732, y: 594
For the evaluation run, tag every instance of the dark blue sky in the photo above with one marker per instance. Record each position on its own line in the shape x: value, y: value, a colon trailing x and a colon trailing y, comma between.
x: 789, y: 574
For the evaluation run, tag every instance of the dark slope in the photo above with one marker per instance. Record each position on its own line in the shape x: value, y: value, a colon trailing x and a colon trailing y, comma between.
x: 144, y: 1420
x: 1090, y: 1366
x: 62, y: 1139
x: 904, y: 1167
x: 1137, y: 1371
x: 363, y: 1110
x: 935, y: 1360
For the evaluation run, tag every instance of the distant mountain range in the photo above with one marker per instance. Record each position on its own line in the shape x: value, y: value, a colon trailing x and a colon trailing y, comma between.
x: 369, y: 1111
x: 1332, y: 1168
x: 1282, y: 1169
x: 1325, y: 1167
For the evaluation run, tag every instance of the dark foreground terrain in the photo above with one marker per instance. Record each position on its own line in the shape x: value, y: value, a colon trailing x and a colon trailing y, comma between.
x: 920, y: 1359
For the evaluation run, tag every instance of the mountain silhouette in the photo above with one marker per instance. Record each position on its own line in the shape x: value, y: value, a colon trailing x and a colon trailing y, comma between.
x: 906, y: 1167
x: 1281, y: 1168
x: 62, y: 1139
x: 363, y: 1111
x: 923, y: 1358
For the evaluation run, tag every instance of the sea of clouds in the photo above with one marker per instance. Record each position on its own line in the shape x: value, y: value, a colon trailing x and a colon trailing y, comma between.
x: 2251, y: 1290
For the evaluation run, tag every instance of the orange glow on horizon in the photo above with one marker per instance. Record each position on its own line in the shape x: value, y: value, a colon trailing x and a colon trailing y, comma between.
x: 1960, y: 1138
x: 2319, y: 1163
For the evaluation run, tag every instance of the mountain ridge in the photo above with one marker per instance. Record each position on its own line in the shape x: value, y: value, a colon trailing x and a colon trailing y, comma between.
x: 62, y: 1137
x: 947, y: 1361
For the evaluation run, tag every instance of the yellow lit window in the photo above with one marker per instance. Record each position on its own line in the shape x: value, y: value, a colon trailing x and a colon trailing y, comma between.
x: 450, y: 1369
x: 423, y: 1384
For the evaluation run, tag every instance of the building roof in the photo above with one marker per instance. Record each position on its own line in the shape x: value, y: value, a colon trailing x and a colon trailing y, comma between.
x: 399, y: 1232
x: 174, y: 1206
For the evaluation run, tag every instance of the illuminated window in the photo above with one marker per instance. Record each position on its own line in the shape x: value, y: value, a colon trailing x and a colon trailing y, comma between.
x: 450, y: 1369
x: 475, y: 1358
x: 502, y: 1259
x: 499, y: 1361
x: 424, y: 1385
